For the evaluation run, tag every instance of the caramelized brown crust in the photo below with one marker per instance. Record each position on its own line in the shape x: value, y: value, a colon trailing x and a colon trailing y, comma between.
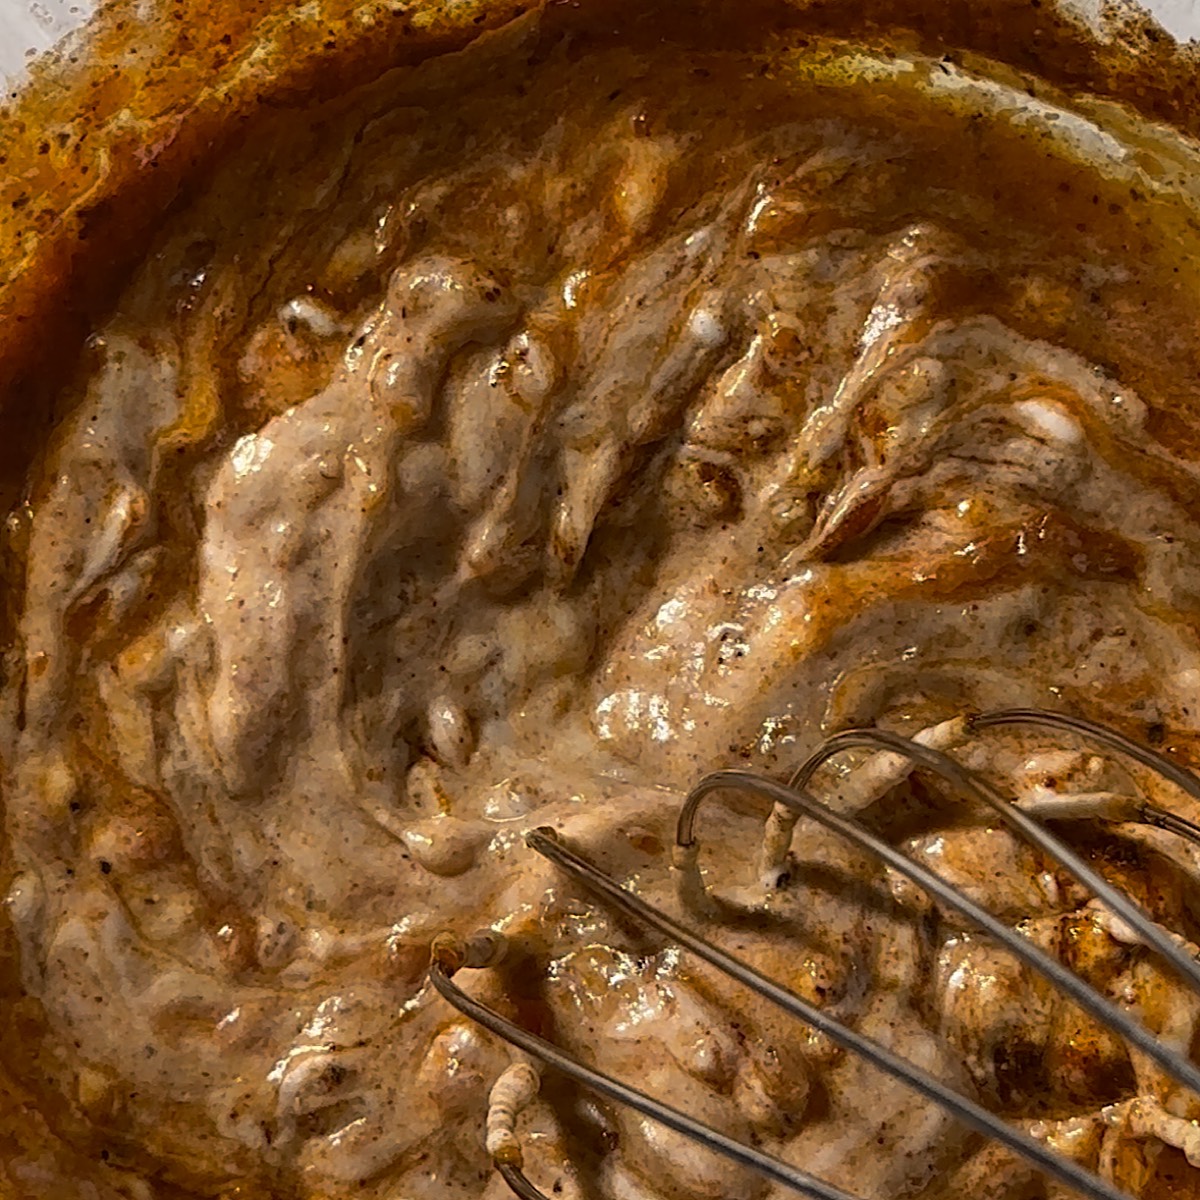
x: 109, y: 132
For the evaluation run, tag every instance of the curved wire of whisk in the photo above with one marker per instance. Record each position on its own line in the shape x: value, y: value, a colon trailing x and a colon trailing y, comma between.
x: 1144, y: 756
x: 452, y: 955
x: 483, y: 950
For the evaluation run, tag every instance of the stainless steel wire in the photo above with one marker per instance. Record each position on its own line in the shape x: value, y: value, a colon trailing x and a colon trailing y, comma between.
x: 452, y: 954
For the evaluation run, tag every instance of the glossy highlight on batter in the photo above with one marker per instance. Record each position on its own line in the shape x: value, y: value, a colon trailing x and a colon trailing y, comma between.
x: 507, y: 442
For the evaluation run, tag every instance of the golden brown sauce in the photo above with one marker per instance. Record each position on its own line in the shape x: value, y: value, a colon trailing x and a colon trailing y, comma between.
x: 443, y: 423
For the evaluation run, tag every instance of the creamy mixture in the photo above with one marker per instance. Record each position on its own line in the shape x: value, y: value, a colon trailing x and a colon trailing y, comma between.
x: 513, y: 441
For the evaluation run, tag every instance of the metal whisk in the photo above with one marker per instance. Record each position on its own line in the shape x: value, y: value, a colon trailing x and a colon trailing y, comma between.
x: 517, y: 1087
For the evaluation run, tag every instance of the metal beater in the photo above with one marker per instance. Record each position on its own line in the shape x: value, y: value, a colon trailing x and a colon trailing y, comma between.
x: 518, y: 1086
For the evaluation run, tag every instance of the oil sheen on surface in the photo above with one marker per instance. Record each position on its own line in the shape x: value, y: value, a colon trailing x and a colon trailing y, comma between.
x: 506, y: 443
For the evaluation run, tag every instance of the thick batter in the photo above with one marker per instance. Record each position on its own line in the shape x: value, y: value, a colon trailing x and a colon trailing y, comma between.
x: 509, y: 442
